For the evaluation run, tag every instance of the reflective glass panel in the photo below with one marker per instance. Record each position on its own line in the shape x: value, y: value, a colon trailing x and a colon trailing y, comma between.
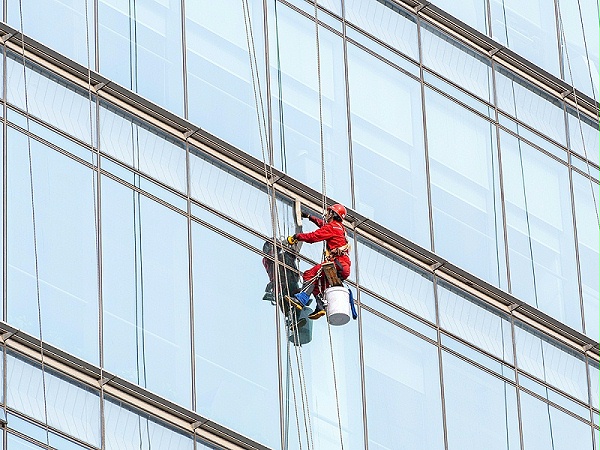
x: 476, y: 400
x: 70, y: 407
x: 551, y: 362
x: 127, y: 428
x: 42, y: 18
x: 330, y: 369
x: 51, y: 98
x: 472, y: 320
x: 235, y: 341
x: 223, y: 92
x: 586, y: 215
x: 584, y: 136
x: 142, y: 147
x: 580, y: 54
x: 546, y: 427
x: 402, y: 388
x: 594, y: 380
x: 387, y: 22
x: 471, y: 12
x: 140, y: 47
x: 540, y: 231
x: 17, y: 443
x: 396, y: 280
x: 530, y: 105
x: 64, y: 247
x: 529, y: 29
x: 238, y: 196
x: 387, y: 146
x: 465, y: 189
x: 146, y: 293
x: 301, y: 118
x: 456, y: 62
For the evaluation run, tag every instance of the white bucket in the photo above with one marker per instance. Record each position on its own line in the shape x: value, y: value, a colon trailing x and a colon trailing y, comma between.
x: 337, y: 299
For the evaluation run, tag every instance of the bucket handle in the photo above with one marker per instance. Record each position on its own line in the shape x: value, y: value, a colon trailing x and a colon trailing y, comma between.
x: 354, y: 314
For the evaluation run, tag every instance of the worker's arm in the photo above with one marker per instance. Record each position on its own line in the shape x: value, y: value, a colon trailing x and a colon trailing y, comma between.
x: 327, y: 231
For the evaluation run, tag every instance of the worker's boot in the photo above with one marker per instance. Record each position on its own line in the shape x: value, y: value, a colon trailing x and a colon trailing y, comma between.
x: 319, y: 310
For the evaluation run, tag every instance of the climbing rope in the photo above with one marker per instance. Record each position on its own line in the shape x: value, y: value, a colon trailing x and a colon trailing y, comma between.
x: 34, y: 228
x: 324, y: 206
x: 268, y: 173
x: 563, y: 36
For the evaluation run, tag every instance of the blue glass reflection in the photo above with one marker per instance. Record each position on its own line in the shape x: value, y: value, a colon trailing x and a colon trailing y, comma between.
x: 541, y: 240
x: 310, y: 125
x: 387, y: 146
x: 146, y: 293
x: 465, y: 189
x: 223, y: 91
x: 402, y: 387
x: 62, y: 260
x: 140, y: 47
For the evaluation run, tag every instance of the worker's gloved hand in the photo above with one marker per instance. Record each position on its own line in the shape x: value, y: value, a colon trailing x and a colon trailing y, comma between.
x: 292, y: 240
x: 304, y: 215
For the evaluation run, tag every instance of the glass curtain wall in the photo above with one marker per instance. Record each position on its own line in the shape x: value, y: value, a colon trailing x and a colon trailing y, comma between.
x: 179, y: 239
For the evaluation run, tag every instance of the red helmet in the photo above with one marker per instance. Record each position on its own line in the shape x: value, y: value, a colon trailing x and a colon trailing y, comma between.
x: 339, y: 210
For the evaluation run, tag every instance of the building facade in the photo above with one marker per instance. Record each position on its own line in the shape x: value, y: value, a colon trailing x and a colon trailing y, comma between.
x: 155, y: 152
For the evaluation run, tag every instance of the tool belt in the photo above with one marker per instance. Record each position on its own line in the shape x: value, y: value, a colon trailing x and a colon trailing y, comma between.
x: 338, y: 251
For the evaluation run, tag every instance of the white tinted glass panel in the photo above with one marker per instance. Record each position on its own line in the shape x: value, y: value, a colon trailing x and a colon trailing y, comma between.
x: 465, y: 189
x: 540, y: 231
x: 387, y: 146
x: 476, y: 400
x: 64, y: 247
x: 402, y: 388
x: 551, y: 362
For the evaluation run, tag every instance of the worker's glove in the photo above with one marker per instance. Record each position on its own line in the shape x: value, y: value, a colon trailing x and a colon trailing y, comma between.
x: 304, y: 215
x: 292, y: 240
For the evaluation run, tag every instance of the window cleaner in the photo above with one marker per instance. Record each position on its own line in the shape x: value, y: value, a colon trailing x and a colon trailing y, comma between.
x: 336, y: 265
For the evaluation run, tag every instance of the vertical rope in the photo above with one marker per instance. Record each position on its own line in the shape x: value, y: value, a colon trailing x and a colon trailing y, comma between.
x: 34, y: 227
x: 324, y: 205
x: 268, y: 172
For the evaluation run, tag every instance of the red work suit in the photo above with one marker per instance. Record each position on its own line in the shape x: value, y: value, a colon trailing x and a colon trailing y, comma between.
x: 334, y: 235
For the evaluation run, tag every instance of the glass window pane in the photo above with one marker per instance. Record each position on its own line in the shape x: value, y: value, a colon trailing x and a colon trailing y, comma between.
x: 529, y: 29
x: 221, y: 85
x: 465, y: 189
x: 238, y: 196
x: 234, y: 338
x: 130, y: 429
x: 476, y: 400
x: 540, y: 231
x: 580, y: 54
x: 551, y: 362
x: 402, y: 387
x: 387, y: 146
x: 71, y: 407
x: 396, y: 280
x: 387, y: 22
x: 584, y: 136
x: 594, y: 373
x: 546, y: 427
x: 586, y: 214
x: 146, y: 293
x: 51, y: 98
x: 141, y: 48
x: 297, y: 109
x: 65, y: 242
x: 456, y: 62
x: 472, y: 320
x: 42, y: 19
x: 530, y: 105
x: 17, y: 443
x: 142, y: 147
